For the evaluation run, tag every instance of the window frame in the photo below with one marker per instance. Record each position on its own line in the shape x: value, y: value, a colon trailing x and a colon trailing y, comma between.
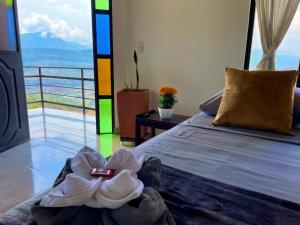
x: 250, y: 37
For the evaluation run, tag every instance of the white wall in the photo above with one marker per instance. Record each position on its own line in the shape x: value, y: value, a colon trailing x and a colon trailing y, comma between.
x: 120, y: 27
x: 188, y: 44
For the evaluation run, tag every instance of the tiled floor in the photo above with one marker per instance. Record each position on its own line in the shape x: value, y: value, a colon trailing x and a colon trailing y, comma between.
x: 55, y: 136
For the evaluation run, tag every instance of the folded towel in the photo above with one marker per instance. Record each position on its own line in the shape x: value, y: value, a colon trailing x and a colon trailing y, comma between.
x: 150, y: 173
x: 79, y: 188
x: 148, y: 209
x: 88, y: 159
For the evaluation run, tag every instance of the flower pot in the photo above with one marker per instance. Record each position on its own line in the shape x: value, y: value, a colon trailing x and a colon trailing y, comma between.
x: 131, y: 103
x: 165, y: 113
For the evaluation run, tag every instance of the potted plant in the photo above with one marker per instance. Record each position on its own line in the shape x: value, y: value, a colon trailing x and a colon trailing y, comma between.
x: 167, y: 101
x: 130, y: 102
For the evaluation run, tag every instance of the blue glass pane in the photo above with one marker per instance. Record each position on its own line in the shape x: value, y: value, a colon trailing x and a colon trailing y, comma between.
x: 11, y: 29
x: 7, y: 26
x: 103, y: 34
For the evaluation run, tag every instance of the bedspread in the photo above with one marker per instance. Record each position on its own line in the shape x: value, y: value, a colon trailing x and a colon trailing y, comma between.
x: 254, y: 160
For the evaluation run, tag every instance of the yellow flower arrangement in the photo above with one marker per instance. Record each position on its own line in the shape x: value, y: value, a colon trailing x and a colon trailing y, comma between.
x: 168, y: 91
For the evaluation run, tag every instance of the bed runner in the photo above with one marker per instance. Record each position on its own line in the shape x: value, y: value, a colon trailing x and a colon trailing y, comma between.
x: 197, y: 200
x: 192, y: 200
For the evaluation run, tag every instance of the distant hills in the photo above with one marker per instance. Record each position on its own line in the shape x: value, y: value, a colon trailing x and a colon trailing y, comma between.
x: 283, y: 60
x: 40, y: 49
x: 57, y: 57
x: 49, y: 41
x: 45, y: 49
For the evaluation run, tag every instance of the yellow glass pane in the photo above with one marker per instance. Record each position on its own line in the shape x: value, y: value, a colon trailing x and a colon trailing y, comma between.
x: 104, y: 77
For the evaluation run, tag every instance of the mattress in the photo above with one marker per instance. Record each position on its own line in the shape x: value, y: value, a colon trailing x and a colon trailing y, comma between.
x: 259, y: 161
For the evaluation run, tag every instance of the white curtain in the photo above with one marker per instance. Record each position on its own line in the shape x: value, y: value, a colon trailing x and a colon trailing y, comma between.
x: 274, y: 19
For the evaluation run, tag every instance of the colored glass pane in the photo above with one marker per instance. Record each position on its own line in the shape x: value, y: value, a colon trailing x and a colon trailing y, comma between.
x: 104, y: 77
x: 105, y: 115
x: 103, y: 34
x: 105, y: 143
x: 102, y: 4
x: 7, y: 26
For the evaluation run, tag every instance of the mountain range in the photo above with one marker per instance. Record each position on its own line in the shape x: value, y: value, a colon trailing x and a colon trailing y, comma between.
x: 49, y: 41
x: 44, y: 49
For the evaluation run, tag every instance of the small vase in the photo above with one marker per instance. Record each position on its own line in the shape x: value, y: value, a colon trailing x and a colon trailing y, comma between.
x: 165, y: 113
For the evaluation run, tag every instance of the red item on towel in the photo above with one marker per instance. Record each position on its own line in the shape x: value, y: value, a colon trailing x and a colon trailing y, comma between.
x: 98, y: 172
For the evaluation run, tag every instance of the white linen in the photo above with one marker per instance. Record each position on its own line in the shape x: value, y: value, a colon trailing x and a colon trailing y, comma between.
x: 274, y: 19
x: 79, y: 188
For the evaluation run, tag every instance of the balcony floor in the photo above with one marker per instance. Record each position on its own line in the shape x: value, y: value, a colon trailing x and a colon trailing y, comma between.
x: 55, y: 136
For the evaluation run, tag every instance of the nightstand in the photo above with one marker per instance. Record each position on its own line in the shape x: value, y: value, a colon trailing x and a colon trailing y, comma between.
x: 152, y: 119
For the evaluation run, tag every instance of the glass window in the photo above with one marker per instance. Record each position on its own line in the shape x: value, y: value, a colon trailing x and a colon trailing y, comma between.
x: 105, y: 115
x: 103, y: 34
x: 102, y: 4
x: 7, y: 26
x: 288, y: 53
x: 104, y: 77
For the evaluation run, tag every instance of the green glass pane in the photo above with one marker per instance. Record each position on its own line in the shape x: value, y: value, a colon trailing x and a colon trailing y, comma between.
x: 102, y: 4
x: 105, y: 143
x: 7, y: 2
x: 105, y: 116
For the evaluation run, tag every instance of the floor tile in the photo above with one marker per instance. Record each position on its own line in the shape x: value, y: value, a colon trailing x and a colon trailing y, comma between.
x: 52, y: 165
x: 55, y: 136
x: 19, y: 183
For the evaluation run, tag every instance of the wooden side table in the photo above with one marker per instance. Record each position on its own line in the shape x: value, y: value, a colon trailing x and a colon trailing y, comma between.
x: 152, y: 119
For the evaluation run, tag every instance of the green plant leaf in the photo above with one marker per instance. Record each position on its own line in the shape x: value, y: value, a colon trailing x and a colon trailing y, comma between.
x: 167, y: 101
x: 135, y: 57
x: 126, y: 84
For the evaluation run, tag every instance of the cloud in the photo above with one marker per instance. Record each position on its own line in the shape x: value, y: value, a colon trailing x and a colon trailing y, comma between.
x: 37, y: 22
x: 82, y: 8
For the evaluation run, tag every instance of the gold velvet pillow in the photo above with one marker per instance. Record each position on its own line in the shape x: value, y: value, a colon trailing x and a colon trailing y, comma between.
x: 258, y: 99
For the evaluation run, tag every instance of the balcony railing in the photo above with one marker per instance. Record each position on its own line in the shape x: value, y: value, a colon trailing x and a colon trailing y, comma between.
x: 66, y: 88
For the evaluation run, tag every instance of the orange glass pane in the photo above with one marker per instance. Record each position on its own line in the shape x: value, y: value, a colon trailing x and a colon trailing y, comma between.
x: 104, y: 77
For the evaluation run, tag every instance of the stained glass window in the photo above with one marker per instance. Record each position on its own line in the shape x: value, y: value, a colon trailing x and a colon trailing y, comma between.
x: 105, y: 114
x: 104, y: 77
x: 102, y: 4
x: 105, y: 143
x: 103, y: 34
x: 104, y: 67
x: 7, y: 26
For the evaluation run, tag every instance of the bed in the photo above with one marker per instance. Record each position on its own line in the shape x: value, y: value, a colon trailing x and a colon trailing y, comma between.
x: 264, y: 162
x: 224, y: 175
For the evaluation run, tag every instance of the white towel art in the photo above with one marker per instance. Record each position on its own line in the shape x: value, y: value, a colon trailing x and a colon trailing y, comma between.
x: 80, y: 188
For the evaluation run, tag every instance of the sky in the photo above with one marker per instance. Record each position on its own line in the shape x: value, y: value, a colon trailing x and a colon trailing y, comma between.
x: 291, y: 42
x: 69, y: 19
